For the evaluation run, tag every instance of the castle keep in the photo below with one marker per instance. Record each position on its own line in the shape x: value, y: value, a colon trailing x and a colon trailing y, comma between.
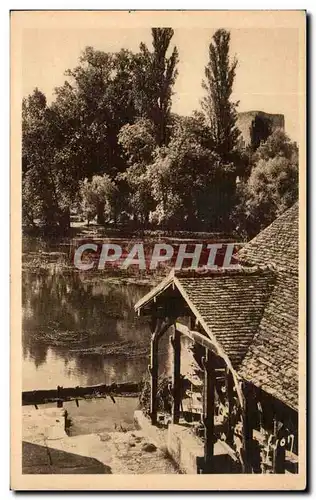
x: 246, y: 118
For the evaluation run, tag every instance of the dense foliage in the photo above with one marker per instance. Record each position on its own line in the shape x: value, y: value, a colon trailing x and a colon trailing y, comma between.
x: 272, y: 186
x: 109, y: 148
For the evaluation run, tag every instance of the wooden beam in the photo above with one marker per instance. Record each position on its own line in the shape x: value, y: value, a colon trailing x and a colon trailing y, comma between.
x: 209, y: 344
x: 209, y: 408
x: 192, y: 321
x: 197, y: 337
x: 278, y: 459
x: 154, y: 379
x: 161, y: 326
x: 247, y: 428
x: 176, y: 343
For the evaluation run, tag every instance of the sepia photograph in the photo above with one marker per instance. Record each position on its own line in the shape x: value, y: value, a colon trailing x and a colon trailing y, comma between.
x: 158, y: 250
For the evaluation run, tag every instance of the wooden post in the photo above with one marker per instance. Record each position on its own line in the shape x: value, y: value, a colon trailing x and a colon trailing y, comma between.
x: 278, y: 461
x: 160, y: 326
x: 154, y: 379
x: 192, y: 322
x: 59, y: 398
x: 209, y: 407
x: 247, y: 428
x: 230, y: 403
x: 176, y: 343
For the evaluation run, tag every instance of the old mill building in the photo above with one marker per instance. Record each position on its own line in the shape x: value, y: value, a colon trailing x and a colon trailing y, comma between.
x: 242, y: 326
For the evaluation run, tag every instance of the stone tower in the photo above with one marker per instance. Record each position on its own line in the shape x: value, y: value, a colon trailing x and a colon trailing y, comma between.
x: 245, y: 119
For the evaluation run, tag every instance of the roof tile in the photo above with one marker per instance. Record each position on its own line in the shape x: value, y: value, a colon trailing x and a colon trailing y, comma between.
x: 231, y: 305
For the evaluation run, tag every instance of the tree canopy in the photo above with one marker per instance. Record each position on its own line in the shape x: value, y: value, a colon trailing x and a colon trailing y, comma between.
x: 272, y: 186
x: 110, y: 146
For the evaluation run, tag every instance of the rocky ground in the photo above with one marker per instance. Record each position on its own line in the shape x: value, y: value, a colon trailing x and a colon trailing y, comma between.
x: 98, y: 442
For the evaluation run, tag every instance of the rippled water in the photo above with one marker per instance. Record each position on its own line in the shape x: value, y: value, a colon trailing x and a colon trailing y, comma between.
x: 68, y: 314
x: 63, y: 314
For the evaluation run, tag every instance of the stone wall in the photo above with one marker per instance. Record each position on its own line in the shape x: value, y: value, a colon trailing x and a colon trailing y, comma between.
x: 245, y: 119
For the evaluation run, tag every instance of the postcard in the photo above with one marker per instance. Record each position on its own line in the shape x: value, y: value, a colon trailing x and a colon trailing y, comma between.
x: 158, y: 268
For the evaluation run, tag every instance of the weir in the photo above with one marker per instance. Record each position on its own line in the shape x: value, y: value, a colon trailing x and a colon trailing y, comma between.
x: 70, y: 393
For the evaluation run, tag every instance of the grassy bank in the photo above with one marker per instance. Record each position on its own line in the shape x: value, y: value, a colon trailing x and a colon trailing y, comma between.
x: 55, y: 254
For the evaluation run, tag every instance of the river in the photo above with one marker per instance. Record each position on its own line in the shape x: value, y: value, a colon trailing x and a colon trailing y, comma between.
x: 70, y: 316
x: 65, y: 317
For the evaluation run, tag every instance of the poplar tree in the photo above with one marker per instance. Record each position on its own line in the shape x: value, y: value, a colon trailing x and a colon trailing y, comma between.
x: 154, y: 79
x: 220, y: 110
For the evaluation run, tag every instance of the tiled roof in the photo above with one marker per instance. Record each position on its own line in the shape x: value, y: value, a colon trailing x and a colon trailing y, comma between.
x: 252, y: 312
x: 276, y: 245
x: 228, y: 303
x: 231, y: 306
x: 272, y: 359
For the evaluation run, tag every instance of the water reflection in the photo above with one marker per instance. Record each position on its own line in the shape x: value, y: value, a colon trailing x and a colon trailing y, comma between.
x: 65, y: 313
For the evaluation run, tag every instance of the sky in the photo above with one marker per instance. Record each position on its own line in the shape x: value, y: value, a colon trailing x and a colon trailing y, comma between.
x: 267, y: 75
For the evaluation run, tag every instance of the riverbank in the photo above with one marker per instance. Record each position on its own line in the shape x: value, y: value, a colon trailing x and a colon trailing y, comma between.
x: 78, y: 229
x: 55, y: 253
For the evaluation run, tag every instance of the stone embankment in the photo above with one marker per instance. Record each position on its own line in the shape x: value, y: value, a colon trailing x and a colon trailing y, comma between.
x: 100, y: 440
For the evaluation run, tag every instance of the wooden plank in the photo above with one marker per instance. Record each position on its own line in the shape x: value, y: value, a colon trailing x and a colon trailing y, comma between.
x: 230, y: 451
x: 176, y: 343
